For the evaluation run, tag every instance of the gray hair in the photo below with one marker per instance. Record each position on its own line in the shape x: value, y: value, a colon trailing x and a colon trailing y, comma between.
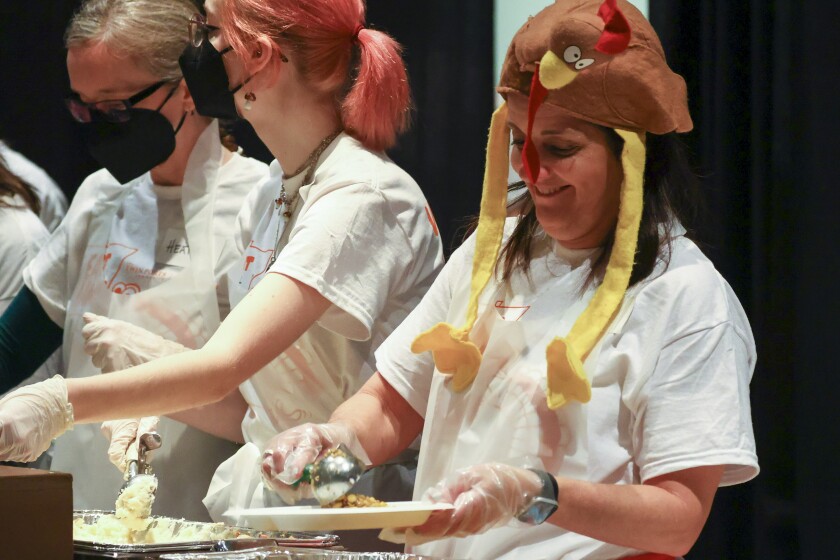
x: 152, y: 33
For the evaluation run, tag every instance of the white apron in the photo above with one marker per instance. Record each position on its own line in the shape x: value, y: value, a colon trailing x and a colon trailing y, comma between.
x: 183, y: 307
x: 287, y: 392
x: 503, y: 416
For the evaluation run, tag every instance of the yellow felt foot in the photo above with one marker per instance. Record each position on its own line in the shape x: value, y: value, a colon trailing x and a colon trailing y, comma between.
x: 453, y: 353
x: 566, y: 379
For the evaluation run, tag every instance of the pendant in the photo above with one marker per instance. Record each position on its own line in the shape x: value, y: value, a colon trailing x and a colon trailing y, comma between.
x: 281, y: 200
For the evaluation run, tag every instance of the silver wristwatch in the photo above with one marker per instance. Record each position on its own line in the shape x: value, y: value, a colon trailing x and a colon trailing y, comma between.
x: 544, y: 504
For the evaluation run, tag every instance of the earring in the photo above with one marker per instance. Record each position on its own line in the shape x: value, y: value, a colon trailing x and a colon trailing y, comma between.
x: 249, y: 100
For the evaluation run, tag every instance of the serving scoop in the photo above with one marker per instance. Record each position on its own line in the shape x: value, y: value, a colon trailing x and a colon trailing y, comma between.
x: 137, y: 466
x: 333, y: 475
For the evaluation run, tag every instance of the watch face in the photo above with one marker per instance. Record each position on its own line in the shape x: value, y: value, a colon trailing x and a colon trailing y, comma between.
x: 538, y: 511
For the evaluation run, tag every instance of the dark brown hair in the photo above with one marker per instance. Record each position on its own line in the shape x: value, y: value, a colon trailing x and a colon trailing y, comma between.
x: 11, y: 185
x: 671, y: 195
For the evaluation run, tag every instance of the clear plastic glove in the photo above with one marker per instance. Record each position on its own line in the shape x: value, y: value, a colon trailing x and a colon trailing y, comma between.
x: 485, y: 496
x: 124, y: 436
x: 114, y: 345
x: 288, y: 453
x: 31, y: 417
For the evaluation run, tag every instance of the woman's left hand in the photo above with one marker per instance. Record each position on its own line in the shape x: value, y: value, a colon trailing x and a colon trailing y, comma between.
x: 485, y: 496
x: 31, y: 417
x: 114, y: 345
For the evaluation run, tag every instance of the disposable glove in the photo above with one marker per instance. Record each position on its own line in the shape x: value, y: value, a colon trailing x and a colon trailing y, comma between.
x: 288, y: 453
x: 31, y: 417
x: 114, y: 345
x: 124, y: 436
x: 484, y: 497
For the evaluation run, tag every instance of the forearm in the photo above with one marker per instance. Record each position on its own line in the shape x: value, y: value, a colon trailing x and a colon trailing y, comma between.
x: 264, y: 324
x: 161, y: 387
x: 222, y: 419
x: 382, y: 420
x: 664, y: 515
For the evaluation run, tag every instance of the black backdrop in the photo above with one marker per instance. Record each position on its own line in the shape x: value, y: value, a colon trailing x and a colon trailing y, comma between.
x: 762, y: 75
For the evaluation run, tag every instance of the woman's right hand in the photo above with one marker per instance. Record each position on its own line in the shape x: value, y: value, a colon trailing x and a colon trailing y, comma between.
x: 124, y: 437
x: 288, y: 453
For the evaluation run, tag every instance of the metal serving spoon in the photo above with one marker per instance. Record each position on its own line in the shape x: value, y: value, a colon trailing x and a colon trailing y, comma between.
x: 138, y: 467
x: 333, y: 475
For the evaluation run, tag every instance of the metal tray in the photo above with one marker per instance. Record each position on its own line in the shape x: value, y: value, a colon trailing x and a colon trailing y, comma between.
x: 247, y: 539
x: 290, y: 553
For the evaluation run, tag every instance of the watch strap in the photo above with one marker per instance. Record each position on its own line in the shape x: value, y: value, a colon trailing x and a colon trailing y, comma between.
x: 542, y: 506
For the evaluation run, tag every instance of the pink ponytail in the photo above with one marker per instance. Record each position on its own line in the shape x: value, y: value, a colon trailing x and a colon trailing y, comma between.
x: 376, y: 109
x: 321, y: 36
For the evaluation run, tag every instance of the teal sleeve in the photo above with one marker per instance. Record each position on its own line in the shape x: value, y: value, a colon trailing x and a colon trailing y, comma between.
x: 27, y: 338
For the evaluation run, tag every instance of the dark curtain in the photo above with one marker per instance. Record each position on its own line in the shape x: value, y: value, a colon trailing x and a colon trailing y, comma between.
x: 762, y: 78
x: 447, y: 50
x: 33, y: 82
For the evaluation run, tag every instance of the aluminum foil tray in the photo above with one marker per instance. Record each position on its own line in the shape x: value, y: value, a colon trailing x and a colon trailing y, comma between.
x: 281, y: 553
x: 247, y: 539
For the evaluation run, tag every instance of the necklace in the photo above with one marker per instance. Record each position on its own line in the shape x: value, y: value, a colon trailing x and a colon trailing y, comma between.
x: 285, y: 203
x: 310, y: 162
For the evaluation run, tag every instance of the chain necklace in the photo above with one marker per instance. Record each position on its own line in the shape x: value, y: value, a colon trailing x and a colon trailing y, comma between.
x: 285, y: 203
x: 309, y: 164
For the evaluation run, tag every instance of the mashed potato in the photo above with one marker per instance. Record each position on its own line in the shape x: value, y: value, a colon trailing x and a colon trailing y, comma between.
x: 108, y: 529
x: 134, y: 504
x: 132, y: 523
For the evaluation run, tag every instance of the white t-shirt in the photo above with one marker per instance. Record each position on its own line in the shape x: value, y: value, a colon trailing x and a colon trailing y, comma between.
x: 670, y: 392
x: 53, y: 201
x: 362, y: 235
x: 22, y: 237
x: 53, y: 275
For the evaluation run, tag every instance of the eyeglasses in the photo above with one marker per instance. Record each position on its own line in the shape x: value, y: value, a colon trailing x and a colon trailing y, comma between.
x: 116, y: 110
x: 200, y: 30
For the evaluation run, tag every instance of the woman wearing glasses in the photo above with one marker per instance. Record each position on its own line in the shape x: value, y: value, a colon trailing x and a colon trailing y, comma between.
x: 147, y: 240
x: 338, y: 243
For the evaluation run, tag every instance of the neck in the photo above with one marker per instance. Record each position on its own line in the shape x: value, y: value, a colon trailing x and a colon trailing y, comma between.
x: 171, y: 172
x: 292, y: 122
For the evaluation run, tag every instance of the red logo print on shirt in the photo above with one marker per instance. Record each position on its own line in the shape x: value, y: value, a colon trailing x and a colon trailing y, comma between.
x: 261, y: 261
x: 507, y: 314
x: 116, y: 255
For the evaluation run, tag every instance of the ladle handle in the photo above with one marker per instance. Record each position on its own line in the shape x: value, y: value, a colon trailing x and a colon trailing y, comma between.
x: 306, y: 476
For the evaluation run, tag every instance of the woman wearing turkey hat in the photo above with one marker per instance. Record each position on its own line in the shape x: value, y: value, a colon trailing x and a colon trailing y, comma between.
x: 147, y: 240
x: 593, y: 391
x: 337, y: 246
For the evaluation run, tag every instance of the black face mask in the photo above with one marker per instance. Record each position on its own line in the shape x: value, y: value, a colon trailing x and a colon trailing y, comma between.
x: 129, y: 149
x: 207, y: 80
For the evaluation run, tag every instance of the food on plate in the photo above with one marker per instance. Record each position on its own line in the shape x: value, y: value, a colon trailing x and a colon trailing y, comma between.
x: 356, y: 500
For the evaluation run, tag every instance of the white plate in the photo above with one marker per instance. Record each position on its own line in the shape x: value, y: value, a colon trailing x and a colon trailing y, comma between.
x: 315, y: 518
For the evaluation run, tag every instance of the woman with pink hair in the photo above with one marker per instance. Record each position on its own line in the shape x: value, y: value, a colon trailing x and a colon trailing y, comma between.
x: 337, y: 243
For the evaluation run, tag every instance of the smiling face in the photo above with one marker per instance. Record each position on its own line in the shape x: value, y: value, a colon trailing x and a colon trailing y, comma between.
x: 577, y: 193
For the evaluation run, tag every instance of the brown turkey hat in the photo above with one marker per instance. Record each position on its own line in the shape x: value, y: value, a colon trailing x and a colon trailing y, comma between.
x: 600, y: 62
x: 632, y: 89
